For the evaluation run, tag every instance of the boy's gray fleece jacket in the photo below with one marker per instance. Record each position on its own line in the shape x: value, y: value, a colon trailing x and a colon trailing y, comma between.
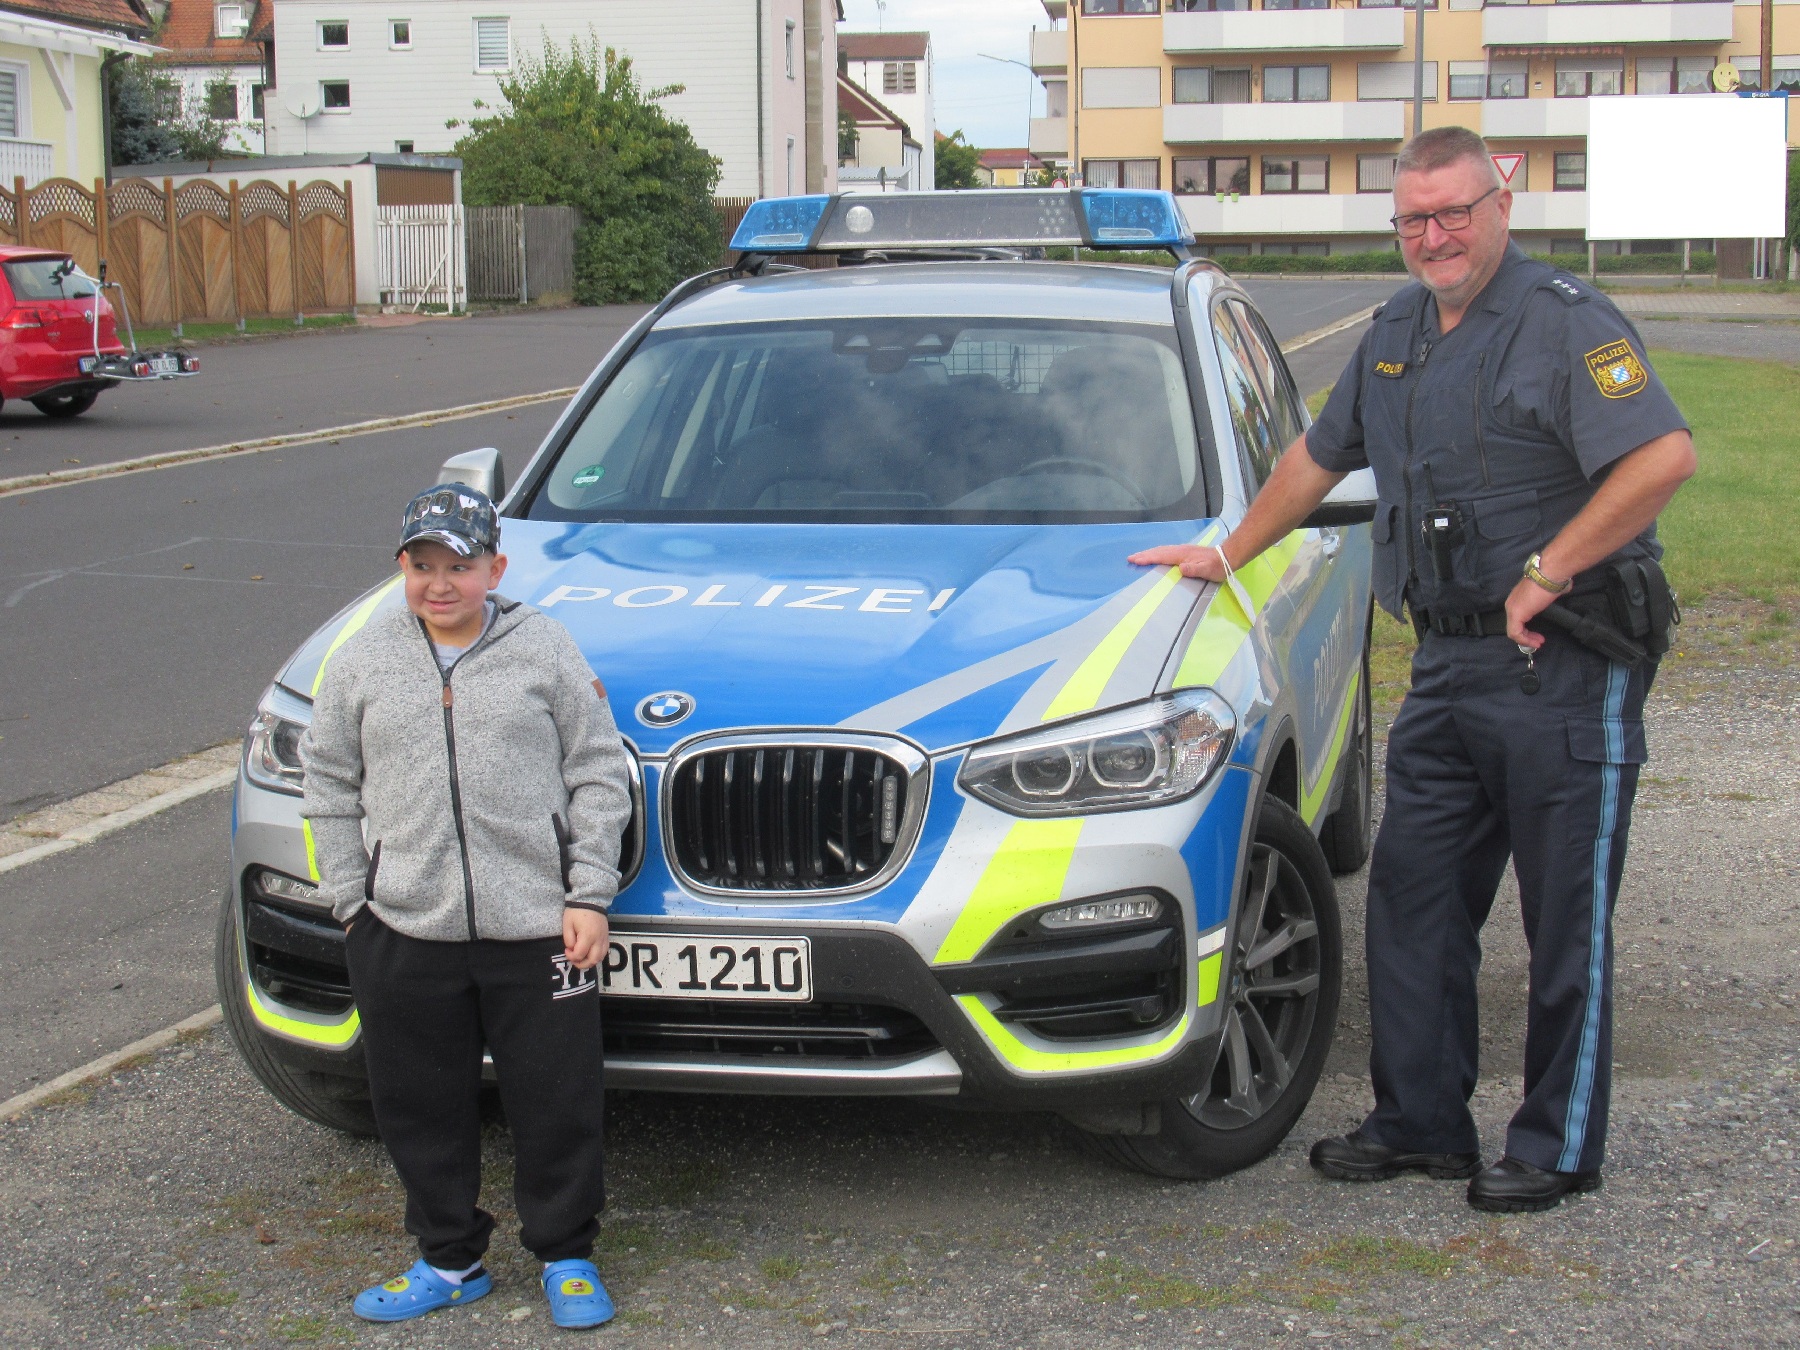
x: 490, y: 797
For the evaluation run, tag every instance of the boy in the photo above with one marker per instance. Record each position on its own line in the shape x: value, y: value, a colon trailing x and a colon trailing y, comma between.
x: 467, y: 788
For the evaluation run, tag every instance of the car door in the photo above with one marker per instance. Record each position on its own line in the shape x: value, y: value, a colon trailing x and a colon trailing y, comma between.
x: 1330, y: 597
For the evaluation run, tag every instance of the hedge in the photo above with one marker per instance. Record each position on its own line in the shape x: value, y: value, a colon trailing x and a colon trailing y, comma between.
x: 1634, y: 264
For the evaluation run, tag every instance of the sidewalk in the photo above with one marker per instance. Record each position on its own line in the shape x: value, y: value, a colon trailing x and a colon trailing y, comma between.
x: 1711, y: 305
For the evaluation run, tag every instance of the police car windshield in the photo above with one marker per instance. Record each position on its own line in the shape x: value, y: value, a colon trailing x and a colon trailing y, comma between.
x: 886, y: 419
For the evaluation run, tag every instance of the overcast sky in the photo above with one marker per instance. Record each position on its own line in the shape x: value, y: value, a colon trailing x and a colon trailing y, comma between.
x: 989, y: 102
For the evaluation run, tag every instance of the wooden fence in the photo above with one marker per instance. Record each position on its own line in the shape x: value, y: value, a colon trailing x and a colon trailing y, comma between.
x: 198, y: 252
x: 521, y: 253
x: 419, y: 256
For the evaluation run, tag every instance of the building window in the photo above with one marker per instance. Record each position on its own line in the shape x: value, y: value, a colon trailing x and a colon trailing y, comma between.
x: 787, y: 48
x: 899, y: 77
x: 1785, y: 69
x: 1568, y: 246
x: 1209, y: 177
x: 222, y: 102
x: 1571, y: 171
x: 334, y: 95
x: 256, y: 102
x: 1297, y: 250
x: 1507, y: 79
x: 229, y: 21
x: 1203, y: 84
x: 1296, y: 84
x: 1056, y: 98
x: 1231, y: 6
x: 403, y: 147
x: 1394, y: 4
x: 400, y: 34
x: 334, y: 34
x: 1120, y: 6
x: 1468, y: 80
x: 1377, y: 80
x: 1374, y: 173
x: 1308, y: 173
x: 1296, y: 4
x: 1122, y: 173
x: 12, y: 87
x: 493, y: 44
x: 1586, y: 78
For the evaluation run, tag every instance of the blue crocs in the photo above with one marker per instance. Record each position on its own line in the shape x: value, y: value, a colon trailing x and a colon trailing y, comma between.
x: 577, y: 1298
x: 419, y: 1291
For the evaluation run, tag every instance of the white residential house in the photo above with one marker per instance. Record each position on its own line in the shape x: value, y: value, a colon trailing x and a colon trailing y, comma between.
x: 895, y: 69
x: 757, y: 76
x: 877, y: 151
x: 214, y: 48
x: 52, y: 109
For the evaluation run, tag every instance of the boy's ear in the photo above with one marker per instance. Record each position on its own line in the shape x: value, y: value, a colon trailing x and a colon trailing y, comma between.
x: 499, y: 566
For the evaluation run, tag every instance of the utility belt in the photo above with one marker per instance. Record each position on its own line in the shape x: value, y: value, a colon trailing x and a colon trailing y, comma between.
x: 1631, y: 618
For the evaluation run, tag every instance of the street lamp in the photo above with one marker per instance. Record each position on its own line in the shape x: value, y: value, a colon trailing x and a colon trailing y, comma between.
x: 1030, y: 75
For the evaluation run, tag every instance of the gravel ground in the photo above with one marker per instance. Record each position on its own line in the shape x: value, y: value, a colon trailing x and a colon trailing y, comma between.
x: 177, y: 1205
x: 1768, y: 341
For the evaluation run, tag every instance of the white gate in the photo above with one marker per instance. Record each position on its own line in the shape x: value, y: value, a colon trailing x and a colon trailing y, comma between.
x: 420, y: 257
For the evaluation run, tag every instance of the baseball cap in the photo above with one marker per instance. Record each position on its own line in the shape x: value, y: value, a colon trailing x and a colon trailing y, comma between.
x: 455, y: 515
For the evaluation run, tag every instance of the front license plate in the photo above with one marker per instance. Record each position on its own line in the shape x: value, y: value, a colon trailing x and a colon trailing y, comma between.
x: 165, y: 365
x: 690, y: 965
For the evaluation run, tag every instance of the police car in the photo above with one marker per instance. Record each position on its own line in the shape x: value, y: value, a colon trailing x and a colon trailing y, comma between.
x: 937, y: 795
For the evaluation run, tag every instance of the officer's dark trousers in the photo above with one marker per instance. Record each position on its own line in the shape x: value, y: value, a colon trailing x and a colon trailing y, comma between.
x: 427, y: 1010
x: 1476, y: 771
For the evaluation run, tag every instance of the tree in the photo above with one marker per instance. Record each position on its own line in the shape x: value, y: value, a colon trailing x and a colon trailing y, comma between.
x: 957, y: 162
x: 150, y: 122
x: 577, y: 130
x: 848, y: 137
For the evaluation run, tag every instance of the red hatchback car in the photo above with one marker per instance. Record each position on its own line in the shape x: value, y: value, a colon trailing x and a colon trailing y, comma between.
x: 59, y: 342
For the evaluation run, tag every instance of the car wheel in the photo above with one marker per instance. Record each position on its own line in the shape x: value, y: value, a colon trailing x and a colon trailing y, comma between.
x: 1350, y: 830
x: 1280, y: 989
x: 65, y: 405
x: 337, y: 1101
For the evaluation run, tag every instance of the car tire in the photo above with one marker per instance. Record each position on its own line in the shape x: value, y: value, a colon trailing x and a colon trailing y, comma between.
x: 338, y: 1102
x: 1349, y: 831
x: 65, y: 405
x: 1274, y: 1043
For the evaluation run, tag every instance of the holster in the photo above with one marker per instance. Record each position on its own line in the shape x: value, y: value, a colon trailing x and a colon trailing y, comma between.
x: 1643, y: 603
x: 1591, y: 631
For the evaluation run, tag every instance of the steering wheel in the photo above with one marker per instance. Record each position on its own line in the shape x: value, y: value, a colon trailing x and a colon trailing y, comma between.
x: 1064, y: 463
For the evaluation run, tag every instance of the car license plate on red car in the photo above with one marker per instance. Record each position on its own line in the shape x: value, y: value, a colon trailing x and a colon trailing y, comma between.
x: 692, y: 965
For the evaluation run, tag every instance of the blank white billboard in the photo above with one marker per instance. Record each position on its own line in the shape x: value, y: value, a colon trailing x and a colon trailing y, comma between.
x: 1687, y: 166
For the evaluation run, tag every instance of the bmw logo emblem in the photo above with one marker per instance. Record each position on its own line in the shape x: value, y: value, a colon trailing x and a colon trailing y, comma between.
x: 664, y: 710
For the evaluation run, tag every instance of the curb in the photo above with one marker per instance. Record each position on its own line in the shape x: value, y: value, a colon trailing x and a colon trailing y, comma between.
x: 104, y: 825
x: 99, y: 1068
x: 1329, y: 330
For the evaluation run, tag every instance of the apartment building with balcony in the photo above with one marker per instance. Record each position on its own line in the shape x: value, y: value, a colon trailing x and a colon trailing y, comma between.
x: 1276, y: 122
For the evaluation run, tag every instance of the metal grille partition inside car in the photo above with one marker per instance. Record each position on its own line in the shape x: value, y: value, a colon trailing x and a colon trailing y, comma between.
x: 761, y: 814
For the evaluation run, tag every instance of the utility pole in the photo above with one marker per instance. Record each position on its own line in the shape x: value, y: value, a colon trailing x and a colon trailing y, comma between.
x: 1075, y: 174
x: 1419, y: 66
x: 1768, y: 46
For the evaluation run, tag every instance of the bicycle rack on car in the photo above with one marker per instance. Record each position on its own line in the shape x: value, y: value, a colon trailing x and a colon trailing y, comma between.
x: 134, y: 365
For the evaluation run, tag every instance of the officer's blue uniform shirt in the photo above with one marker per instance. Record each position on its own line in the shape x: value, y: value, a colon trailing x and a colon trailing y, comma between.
x: 1514, y: 417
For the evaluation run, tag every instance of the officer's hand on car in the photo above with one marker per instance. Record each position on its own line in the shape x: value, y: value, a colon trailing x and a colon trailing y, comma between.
x: 584, y: 937
x: 1194, y: 560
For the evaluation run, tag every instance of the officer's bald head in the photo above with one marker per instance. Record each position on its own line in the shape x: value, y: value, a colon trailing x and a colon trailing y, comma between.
x: 1446, y: 174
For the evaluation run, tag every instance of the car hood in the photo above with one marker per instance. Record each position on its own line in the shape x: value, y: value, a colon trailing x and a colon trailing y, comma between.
x: 945, y: 634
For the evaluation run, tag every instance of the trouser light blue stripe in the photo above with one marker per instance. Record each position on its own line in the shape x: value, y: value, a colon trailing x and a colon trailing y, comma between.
x: 1581, y: 1093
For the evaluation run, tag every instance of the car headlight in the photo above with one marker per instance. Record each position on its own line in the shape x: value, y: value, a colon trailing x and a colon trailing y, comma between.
x: 272, y: 746
x: 1144, y: 754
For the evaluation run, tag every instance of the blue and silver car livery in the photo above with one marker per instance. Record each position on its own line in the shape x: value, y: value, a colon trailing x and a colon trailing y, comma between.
x: 937, y: 794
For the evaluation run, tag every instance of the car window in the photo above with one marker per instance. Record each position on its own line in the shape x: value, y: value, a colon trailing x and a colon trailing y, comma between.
x: 1253, y: 425
x: 36, y: 279
x: 859, y: 419
x: 1271, y: 372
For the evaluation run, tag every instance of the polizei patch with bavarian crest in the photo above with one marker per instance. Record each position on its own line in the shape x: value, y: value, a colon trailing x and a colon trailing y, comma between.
x: 1617, y: 370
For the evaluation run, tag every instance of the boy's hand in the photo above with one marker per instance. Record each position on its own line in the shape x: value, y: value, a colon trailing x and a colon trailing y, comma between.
x: 584, y: 937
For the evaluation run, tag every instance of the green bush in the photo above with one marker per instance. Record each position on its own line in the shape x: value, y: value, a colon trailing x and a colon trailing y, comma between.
x: 1632, y: 264
x: 579, y: 131
x: 1385, y: 260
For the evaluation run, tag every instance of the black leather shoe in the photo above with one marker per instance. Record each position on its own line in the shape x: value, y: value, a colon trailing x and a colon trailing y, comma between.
x: 1514, y: 1187
x: 1350, y: 1157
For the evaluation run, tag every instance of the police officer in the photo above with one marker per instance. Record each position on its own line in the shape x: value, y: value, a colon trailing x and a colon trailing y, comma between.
x: 1522, y: 448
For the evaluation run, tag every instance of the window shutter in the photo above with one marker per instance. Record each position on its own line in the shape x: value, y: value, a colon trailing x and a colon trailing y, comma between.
x: 9, y: 103
x: 493, y: 44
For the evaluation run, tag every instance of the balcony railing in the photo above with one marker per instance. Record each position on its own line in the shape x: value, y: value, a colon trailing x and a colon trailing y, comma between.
x: 30, y: 160
x: 1196, y: 123
x: 1050, y: 51
x: 1050, y: 137
x: 1286, y: 30
x: 1524, y: 118
x: 1357, y: 213
x: 1606, y: 24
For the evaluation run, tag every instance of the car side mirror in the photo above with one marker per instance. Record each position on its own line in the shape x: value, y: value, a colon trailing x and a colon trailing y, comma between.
x: 1351, y: 502
x: 481, y: 469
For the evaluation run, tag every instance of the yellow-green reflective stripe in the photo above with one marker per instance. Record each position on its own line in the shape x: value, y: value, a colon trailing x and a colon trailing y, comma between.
x: 356, y: 621
x: 1224, y: 626
x: 1310, y: 802
x: 1206, y: 985
x: 1023, y: 1056
x: 333, y: 1034
x: 1026, y: 871
x: 312, y: 852
x: 1089, y: 680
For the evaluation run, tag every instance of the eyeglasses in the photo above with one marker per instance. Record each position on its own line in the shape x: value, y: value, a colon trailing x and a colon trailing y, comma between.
x: 1450, y: 218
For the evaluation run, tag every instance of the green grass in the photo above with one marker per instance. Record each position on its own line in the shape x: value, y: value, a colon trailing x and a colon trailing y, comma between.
x: 150, y: 338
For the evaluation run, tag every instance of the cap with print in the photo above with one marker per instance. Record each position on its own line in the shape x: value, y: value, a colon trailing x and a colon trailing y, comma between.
x: 454, y: 515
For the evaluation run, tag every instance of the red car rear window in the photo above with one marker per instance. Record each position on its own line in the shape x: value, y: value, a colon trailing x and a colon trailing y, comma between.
x: 34, y: 279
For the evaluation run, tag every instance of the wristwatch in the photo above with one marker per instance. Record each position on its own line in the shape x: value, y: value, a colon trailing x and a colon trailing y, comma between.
x: 1534, y: 568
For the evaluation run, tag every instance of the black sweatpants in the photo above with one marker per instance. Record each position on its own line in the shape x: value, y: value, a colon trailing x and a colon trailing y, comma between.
x: 427, y: 1010
x: 1477, y: 771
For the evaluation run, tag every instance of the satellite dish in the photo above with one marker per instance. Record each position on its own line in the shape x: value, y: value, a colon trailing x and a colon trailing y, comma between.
x: 303, y: 109
x: 1725, y: 77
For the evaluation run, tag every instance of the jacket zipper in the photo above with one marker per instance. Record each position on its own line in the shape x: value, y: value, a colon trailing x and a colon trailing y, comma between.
x: 1487, y: 479
x: 1412, y: 559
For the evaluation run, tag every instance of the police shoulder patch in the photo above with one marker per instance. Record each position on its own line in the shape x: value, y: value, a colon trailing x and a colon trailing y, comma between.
x: 1616, y: 369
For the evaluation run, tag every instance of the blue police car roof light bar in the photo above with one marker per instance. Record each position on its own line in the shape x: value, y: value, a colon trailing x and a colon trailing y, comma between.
x: 1100, y: 218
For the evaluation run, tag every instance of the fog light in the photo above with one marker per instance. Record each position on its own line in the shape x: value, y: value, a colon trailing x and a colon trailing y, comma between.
x: 1100, y: 913
x: 287, y: 888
